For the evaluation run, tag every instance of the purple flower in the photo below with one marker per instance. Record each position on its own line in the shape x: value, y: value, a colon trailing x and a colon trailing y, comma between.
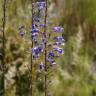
x: 51, y: 61
x: 33, y: 26
x: 35, y: 39
x: 43, y: 40
x: 59, y: 50
x: 41, y: 5
x: 59, y: 39
x: 58, y: 29
x: 51, y: 54
x: 59, y: 43
x: 36, y: 19
x: 21, y: 31
x: 40, y: 48
x: 41, y: 66
x: 37, y: 50
x: 35, y: 31
x: 34, y: 35
x: 42, y: 25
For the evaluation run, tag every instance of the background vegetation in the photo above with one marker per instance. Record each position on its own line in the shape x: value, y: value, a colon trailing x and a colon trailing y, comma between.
x: 76, y: 74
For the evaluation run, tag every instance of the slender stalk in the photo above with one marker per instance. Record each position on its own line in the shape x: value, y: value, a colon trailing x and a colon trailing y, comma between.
x: 3, y: 45
x: 45, y: 29
x: 31, y: 66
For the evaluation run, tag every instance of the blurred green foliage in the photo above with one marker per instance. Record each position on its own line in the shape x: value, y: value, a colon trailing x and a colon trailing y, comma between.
x: 76, y: 72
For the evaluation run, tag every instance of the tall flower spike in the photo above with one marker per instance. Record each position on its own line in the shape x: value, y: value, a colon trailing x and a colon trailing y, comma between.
x: 49, y: 47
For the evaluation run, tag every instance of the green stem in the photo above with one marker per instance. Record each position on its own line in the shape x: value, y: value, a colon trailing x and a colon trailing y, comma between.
x: 45, y: 29
x: 3, y: 47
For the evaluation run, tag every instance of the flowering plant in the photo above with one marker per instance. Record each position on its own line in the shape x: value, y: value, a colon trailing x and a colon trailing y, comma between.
x: 47, y: 41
